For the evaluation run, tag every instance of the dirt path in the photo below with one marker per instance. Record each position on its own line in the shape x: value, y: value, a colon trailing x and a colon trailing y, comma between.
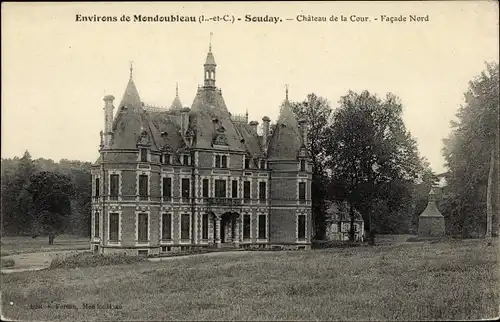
x: 34, y: 261
x: 41, y: 260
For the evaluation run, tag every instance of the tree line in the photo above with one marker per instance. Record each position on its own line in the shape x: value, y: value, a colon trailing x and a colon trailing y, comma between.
x: 43, y: 197
x: 361, y: 152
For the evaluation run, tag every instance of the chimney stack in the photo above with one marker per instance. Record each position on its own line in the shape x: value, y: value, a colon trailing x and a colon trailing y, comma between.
x: 265, y: 123
x: 303, y: 130
x: 108, y: 119
x: 184, y: 120
x: 253, y: 125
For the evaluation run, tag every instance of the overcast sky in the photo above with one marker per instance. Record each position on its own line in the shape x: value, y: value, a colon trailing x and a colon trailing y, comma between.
x: 55, y: 71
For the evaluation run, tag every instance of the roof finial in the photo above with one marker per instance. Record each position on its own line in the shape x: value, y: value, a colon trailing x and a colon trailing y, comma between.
x: 131, y: 69
x: 432, y: 195
x: 210, y: 43
x: 246, y: 115
x: 286, y: 92
x: 177, y: 89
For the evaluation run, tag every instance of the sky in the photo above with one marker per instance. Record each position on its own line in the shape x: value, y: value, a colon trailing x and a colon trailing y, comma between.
x: 56, y: 70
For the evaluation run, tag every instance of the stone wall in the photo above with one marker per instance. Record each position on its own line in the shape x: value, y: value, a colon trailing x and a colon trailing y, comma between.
x: 431, y: 226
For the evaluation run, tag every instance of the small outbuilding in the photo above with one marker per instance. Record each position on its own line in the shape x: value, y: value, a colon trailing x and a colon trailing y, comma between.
x: 338, y: 222
x: 431, y: 221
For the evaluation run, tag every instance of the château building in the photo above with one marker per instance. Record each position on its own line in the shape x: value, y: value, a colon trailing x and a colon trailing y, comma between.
x: 175, y: 178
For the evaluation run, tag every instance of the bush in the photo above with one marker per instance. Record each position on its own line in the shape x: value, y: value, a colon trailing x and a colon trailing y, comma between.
x: 88, y: 259
x: 320, y: 244
x: 436, y: 239
x: 191, y: 251
x: 8, y: 263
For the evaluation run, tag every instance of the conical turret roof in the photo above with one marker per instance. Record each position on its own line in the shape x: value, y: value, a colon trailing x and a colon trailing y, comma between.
x: 131, y: 124
x: 210, y: 59
x: 431, y: 210
x: 286, y: 141
x: 131, y: 96
x: 176, y: 104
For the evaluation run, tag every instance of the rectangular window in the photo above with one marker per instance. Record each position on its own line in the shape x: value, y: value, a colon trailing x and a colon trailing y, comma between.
x: 302, y: 191
x: 114, y: 222
x: 185, y: 222
x: 302, y: 165
x: 144, y: 155
x: 167, y: 189
x: 246, y: 226
x: 166, y: 227
x: 224, y: 161
x: 234, y: 189
x: 143, y: 186
x: 96, y: 225
x: 217, y: 161
x: 142, y: 227
x: 205, y: 188
x: 220, y: 188
x: 262, y: 190
x: 247, y: 163
x: 246, y: 190
x: 185, y: 159
x: 301, y: 226
x: 262, y: 164
x: 165, y: 158
x: 113, y: 186
x: 204, y: 230
x: 262, y: 227
x: 185, y: 189
x: 97, y: 187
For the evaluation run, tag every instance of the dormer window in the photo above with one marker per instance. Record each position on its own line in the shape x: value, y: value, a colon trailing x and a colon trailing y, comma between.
x: 247, y: 163
x: 185, y: 159
x: 221, y: 161
x: 262, y: 164
x: 165, y: 158
x: 143, y: 154
x: 302, y: 165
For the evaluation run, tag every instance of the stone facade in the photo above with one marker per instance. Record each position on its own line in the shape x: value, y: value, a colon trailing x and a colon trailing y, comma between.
x: 177, y: 178
x: 338, y: 222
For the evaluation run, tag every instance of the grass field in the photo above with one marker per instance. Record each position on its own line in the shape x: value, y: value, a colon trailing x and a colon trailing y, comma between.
x: 25, y: 244
x: 418, y: 281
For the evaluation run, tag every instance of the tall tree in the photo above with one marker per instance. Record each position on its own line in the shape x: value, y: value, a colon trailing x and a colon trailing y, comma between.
x: 50, y: 194
x: 15, y: 174
x: 16, y: 205
x: 471, y: 153
x: 316, y: 111
x: 374, y: 159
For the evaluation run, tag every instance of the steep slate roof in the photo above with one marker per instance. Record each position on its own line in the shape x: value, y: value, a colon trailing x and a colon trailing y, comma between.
x: 169, y: 129
x: 210, y: 58
x: 131, y: 96
x: 176, y: 104
x: 207, y: 106
x: 252, y: 141
x: 431, y: 210
x: 131, y: 120
x: 285, y: 141
x: 163, y: 127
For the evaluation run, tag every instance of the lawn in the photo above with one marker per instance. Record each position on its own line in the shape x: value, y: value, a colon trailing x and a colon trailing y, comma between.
x: 417, y: 281
x: 25, y: 244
